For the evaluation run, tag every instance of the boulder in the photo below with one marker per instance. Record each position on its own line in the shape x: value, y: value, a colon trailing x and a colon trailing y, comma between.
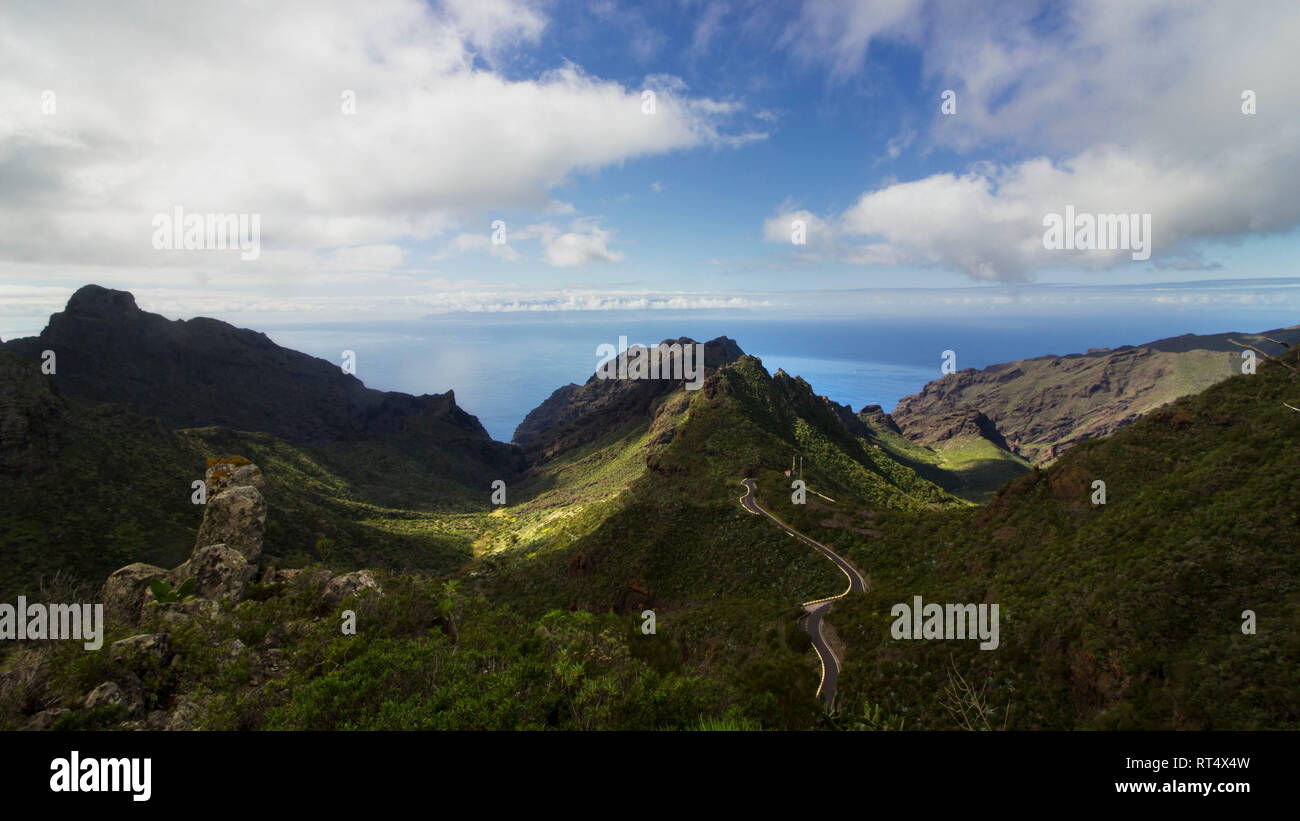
x: 105, y: 694
x: 146, y: 649
x: 311, y: 584
x: 112, y: 694
x: 177, y: 612
x: 317, y: 577
x: 235, y: 518
x: 218, y: 570
x: 126, y: 591
x: 340, y: 587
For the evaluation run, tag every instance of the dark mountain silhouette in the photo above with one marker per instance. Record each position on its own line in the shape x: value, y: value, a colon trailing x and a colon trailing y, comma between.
x: 204, y: 372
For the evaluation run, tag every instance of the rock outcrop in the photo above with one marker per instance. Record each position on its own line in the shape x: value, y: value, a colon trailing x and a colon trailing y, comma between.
x: 225, y: 559
x: 112, y: 694
x: 206, y: 595
x: 124, y: 592
x: 957, y: 423
x: 235, y: 516
x: 143, y: 650
x: 226, y: 552
x: 218, y: 571
x: 230, y: 473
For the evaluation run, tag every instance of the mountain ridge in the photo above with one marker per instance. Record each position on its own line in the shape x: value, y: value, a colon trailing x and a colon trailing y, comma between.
x: 628, y: 504
x: 576, y: 406
x: 184, y: 371
x: 1043, y: 405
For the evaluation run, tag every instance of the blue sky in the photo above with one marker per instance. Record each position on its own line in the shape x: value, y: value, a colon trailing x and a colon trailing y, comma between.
x: 466, y: 112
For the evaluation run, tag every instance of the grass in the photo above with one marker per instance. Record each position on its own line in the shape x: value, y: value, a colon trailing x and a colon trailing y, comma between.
x: 1122, y: 616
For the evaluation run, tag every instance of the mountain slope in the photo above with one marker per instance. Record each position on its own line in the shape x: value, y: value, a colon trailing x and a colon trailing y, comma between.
x: 1123, y: 615
x: 961, y: 451
x: 647, y: 438
x: 640, y: 514
x: 1045, y: 404
x: 83, y: 489
x: 88, y: 487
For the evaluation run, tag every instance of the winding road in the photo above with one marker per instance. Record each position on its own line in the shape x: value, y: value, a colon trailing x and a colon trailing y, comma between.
x: 820, y: 607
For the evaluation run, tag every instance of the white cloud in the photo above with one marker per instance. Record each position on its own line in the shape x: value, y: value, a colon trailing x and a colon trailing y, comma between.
x: 492, y: 24
x: 839, y: 33
x: 584, y: 244
x: 820, y: 237
x: 990, y: 224
x: 237, y: 108
x: 1130, y: 107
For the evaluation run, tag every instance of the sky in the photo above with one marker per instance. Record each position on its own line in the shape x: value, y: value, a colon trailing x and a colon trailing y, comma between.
x: 405, y: 158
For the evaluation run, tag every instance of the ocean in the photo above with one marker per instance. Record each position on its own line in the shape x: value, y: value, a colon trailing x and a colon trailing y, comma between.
x: 503, y: 365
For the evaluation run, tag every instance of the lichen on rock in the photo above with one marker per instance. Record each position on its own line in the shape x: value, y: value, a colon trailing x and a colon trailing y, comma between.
x: 219, y: 571
x: 237, y: 519
x: 126, y: 591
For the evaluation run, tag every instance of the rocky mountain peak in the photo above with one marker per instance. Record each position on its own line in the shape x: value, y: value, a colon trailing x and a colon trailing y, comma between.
x: 576, y: 414
x: 203, y: 372
x: 100, y: 302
